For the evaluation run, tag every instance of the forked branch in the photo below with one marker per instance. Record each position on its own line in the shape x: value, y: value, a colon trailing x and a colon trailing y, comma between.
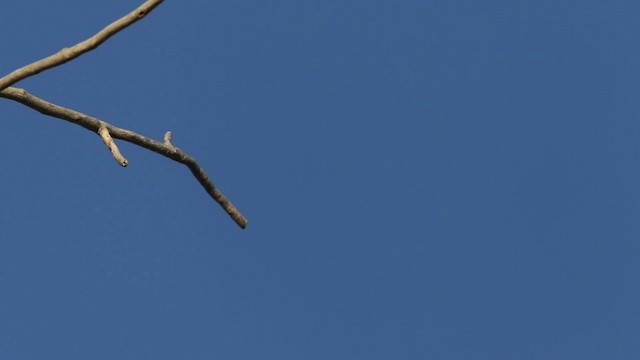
x: 105, y: 130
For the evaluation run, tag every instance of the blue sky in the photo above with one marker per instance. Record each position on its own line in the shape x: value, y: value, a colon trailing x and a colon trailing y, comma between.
x: 423, y: 180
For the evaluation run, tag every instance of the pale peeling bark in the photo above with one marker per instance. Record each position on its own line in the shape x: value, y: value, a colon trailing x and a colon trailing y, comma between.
x: 105, y: 130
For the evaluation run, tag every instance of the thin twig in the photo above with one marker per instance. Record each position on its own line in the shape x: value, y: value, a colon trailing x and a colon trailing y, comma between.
x: 73, y: 52
x: 94, y: 124
x: 108, y: 140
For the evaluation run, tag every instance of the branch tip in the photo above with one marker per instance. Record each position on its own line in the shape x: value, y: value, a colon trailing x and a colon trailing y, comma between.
x: 167, y: 138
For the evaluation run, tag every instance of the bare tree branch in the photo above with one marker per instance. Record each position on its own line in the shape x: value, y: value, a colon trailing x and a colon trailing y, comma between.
x: 73, y: 52
x: 108, y: 140
x: 96, y: 125
x: 105, y: 130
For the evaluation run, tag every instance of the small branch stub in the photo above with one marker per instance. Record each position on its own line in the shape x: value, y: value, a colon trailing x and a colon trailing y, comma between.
x: 108, y: 140
x: 167, y: 138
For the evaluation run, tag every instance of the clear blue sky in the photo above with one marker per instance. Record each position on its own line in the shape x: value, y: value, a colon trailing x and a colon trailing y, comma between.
x: 423, y: 180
